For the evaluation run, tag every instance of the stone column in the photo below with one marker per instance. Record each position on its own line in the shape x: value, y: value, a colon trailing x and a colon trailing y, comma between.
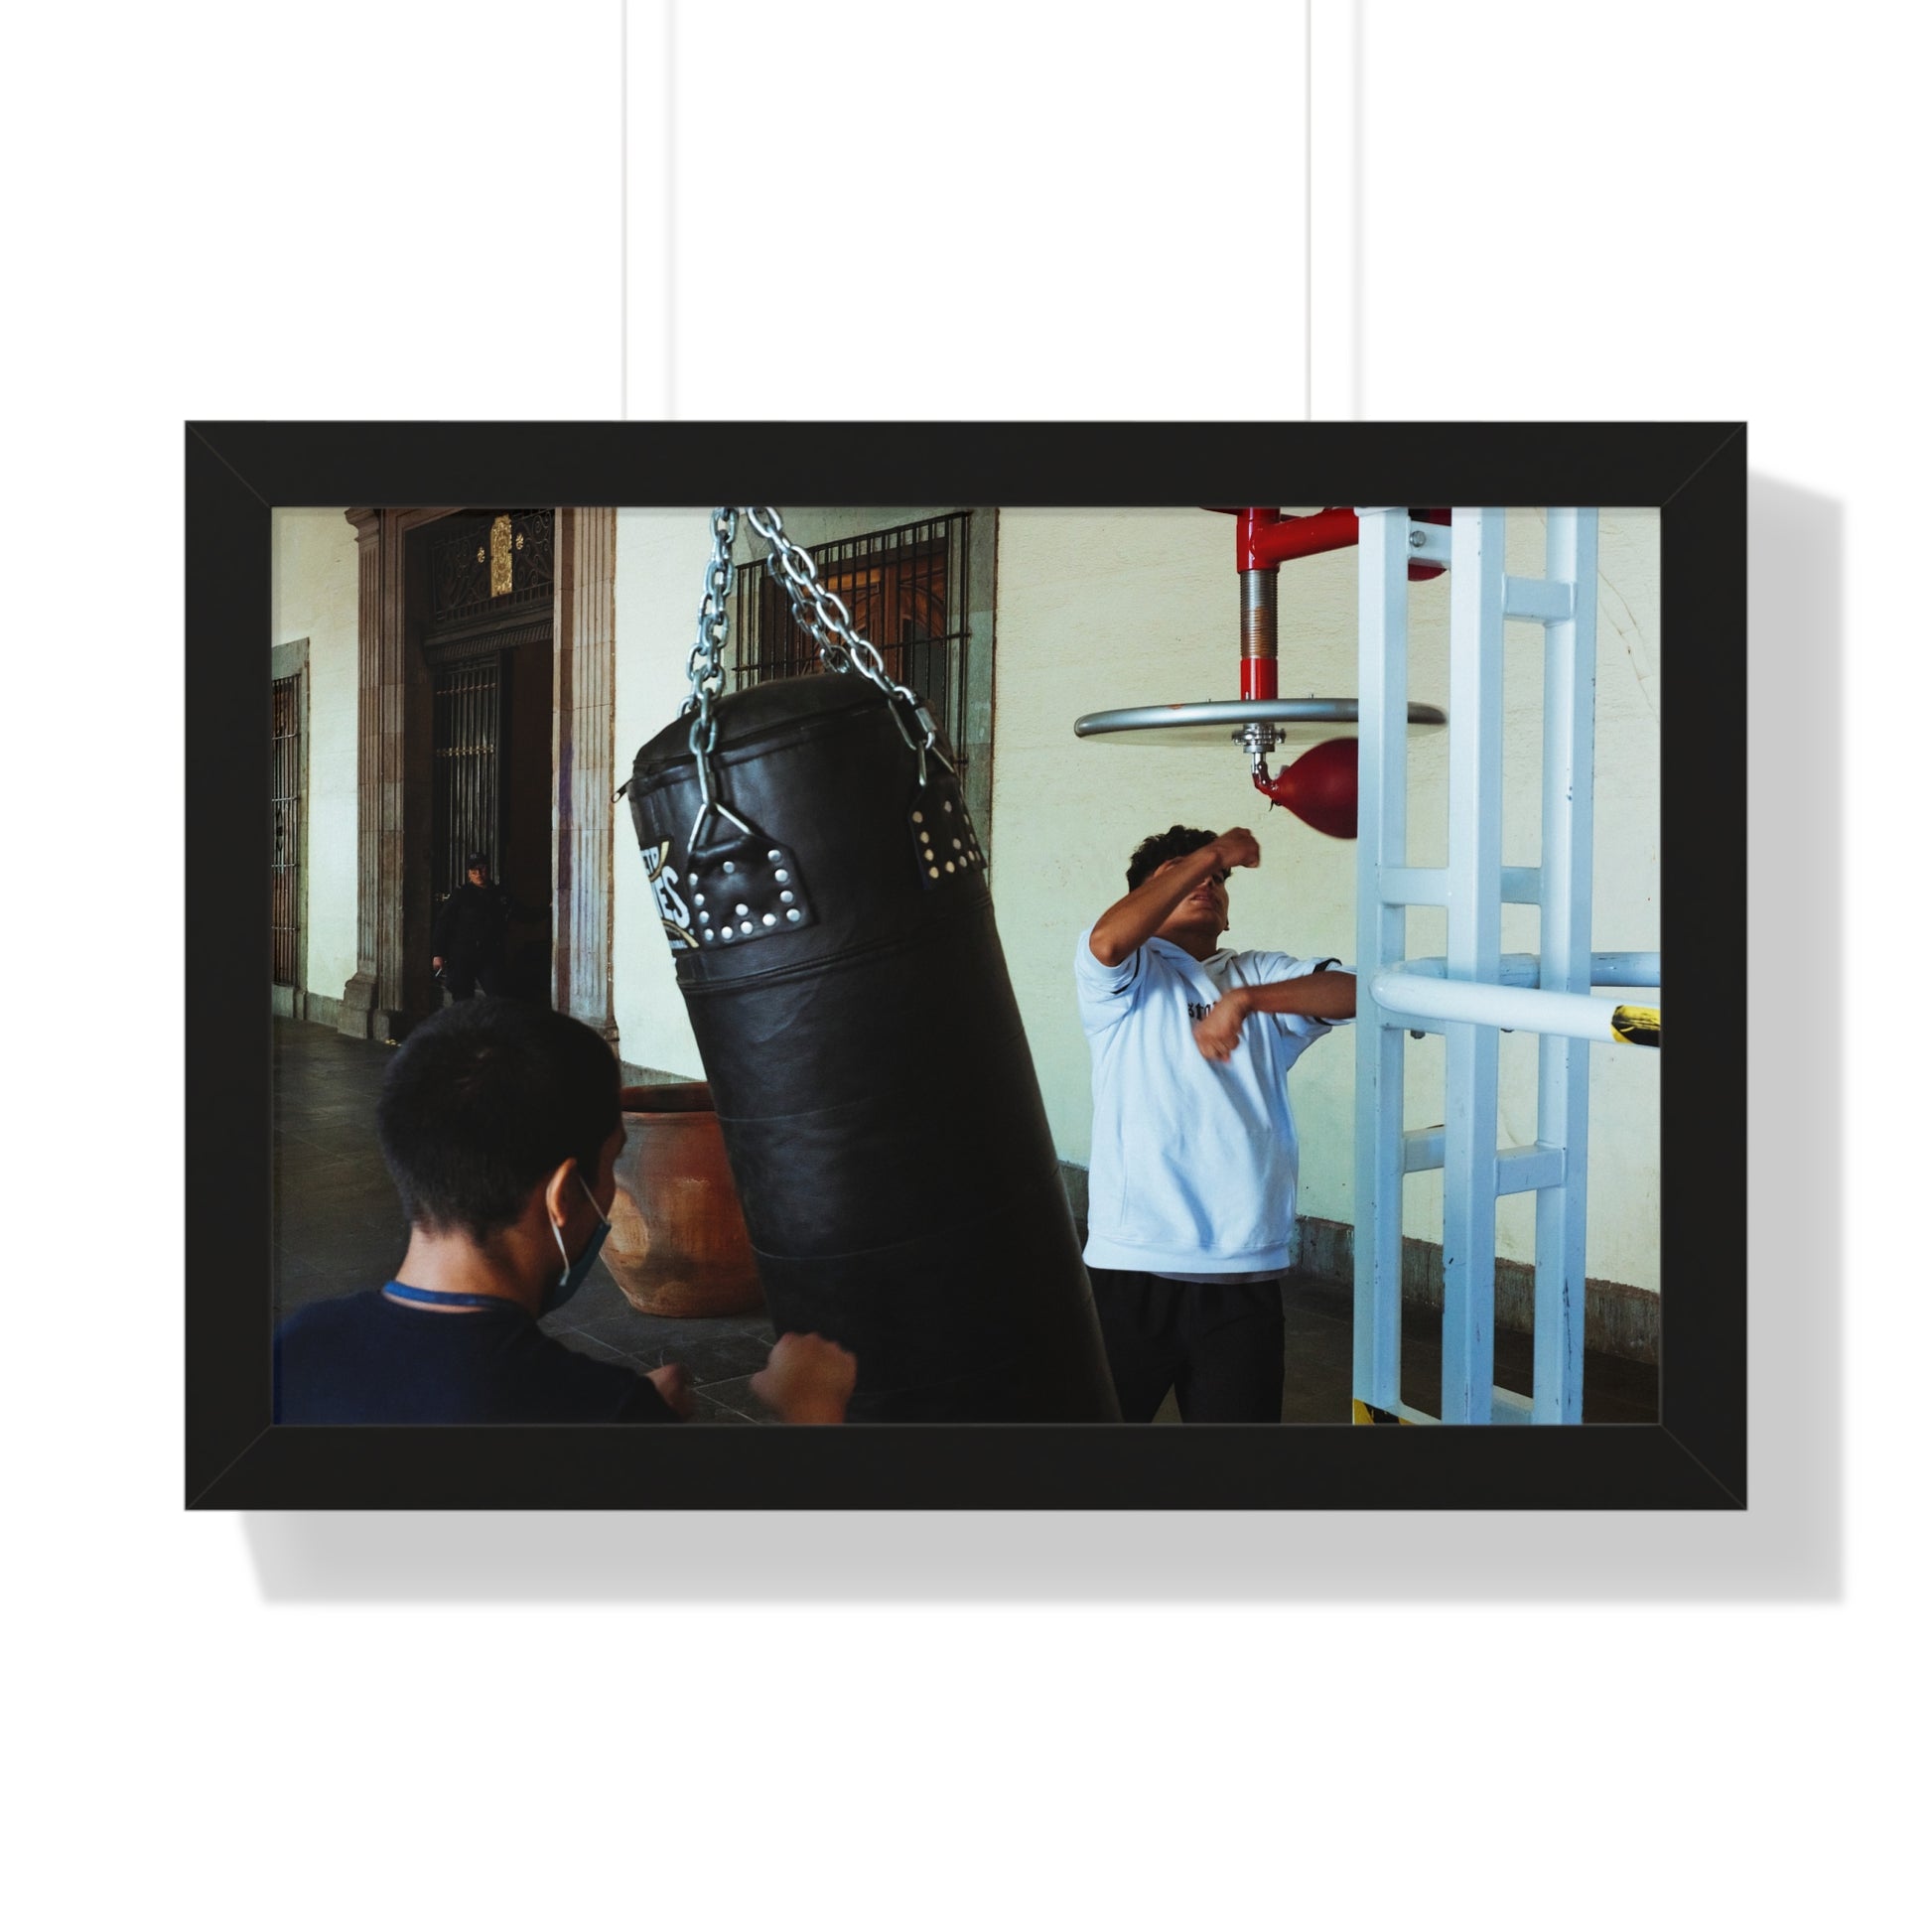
x: 391, y: 769
x: 582, y: 761
x: 359, y: 1017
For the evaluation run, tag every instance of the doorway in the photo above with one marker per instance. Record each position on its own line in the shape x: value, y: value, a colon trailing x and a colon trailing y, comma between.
x: 482, y: 586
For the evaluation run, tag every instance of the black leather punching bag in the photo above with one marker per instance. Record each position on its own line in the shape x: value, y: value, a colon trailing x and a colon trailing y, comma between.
x: 834, y: 941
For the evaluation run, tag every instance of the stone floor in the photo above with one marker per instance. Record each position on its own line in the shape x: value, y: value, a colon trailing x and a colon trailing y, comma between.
x: 338, y: 1228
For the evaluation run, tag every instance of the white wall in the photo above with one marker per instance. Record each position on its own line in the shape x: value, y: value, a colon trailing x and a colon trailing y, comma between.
x: 1099, y: 610
x: 661, y: 558
x: 314, y: 596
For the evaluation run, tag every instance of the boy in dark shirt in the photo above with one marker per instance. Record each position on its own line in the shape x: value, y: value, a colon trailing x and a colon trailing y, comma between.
x: 501, y: 1126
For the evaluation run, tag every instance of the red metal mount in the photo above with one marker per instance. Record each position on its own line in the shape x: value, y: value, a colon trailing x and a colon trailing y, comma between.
x: 1264, y: 540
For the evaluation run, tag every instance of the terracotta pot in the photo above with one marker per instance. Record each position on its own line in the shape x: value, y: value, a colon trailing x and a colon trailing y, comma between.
x: 677, y: 1243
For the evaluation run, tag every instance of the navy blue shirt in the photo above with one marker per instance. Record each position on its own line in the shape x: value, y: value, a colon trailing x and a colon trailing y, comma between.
x: 364, y: 1358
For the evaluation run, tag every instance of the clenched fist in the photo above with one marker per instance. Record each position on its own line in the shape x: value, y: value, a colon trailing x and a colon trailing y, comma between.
x: 1238, y: 848
x: 808, y: 1379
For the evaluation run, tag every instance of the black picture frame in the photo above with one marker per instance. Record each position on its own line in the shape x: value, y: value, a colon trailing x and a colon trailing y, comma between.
x: 237, y: 474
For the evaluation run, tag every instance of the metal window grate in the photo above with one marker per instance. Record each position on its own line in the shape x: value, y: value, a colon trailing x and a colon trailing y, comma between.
x: 467, y: 743
x: 905, y: 589
x: 285, y: 806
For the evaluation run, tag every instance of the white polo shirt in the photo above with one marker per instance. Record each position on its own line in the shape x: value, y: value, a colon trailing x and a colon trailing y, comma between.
x: 1194, y: 1160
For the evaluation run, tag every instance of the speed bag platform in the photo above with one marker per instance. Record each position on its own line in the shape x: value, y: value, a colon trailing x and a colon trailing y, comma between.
x: 834, y: 941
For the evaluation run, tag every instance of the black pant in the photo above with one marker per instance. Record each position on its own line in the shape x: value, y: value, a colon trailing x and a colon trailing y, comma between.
x: 1218, y: 1347
x: 464, y: 974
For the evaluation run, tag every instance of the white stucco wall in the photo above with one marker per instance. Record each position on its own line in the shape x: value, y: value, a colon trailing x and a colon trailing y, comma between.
x: 660, y: 567
x: 1106, y: 608
x: 313, y: 594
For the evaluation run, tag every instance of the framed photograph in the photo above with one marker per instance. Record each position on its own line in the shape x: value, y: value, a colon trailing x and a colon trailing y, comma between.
x: 889, y: 839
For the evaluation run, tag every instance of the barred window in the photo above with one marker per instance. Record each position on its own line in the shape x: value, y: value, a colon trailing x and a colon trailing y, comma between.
x: 466, y: 807
x: 905, y: 589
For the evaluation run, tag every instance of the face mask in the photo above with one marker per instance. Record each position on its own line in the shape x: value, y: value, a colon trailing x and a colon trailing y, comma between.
x: 572, y: 1278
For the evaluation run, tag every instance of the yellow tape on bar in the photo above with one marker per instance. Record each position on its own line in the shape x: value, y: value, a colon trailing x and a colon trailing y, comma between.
x: 1638, y: 1026
x: 1367, y: 1412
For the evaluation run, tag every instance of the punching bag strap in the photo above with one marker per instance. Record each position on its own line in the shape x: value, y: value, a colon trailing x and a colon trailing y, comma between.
x: 743, y: 884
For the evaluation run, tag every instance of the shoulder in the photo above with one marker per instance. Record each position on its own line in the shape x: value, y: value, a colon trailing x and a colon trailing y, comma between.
x: 339, y: 1314
x: 1089, y: 969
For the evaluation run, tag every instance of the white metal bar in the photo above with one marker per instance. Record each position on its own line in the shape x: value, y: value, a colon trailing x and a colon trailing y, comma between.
x: 1419, y: 998
x: 1430, y: 886
x: 1562, y: 1063
x: 1382, y: 817
x: 1412, y: 885
x: 1529, y: 1169
x: 1626, y: 969
x: 1538, y: 599
x: 1519, y: 1169
x: 1475, y: 906
x: 1525, y: 968
x: 1428, y: 543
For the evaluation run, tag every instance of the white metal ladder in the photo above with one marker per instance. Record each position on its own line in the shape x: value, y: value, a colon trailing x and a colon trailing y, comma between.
x: 1470, y: 994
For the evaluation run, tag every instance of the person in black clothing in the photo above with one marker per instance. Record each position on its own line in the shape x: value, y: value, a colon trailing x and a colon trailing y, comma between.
x: 501, y: 1126
x: 471, y: 940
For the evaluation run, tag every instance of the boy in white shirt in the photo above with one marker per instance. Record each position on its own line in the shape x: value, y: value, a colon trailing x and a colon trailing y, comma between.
x: 1191, y: 1189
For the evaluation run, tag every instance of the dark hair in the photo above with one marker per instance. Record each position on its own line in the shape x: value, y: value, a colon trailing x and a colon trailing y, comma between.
x: 483, y: 1102
x: 1154, y: 853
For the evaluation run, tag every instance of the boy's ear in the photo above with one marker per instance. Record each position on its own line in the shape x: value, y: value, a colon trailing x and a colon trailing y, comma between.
x: 558, y: 1191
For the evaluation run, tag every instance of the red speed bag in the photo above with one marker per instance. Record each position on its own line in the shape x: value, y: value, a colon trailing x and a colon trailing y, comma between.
x: 1318, y: 787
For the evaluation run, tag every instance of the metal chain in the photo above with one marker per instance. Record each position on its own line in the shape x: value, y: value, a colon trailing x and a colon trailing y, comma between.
x: 818, y: 610
x: 714, y: 625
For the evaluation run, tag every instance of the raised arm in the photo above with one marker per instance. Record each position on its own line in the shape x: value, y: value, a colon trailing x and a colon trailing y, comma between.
x: 1322, y: 996
x: 1131, y: 922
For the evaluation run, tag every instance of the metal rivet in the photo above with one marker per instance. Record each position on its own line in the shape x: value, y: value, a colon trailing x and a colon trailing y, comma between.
x: 784, y: 898
x: 742, y: 909
x: 926, y: 838
x: 711, y: 935
x: 728, y: 933
x: 949, y: 864
x: 698, y: 898
x: 932, y: 872
x: 771, y: 918
x: 958, y: 846
x: 782, y: 876
x: 728, y: 867
x: 949, y: 804
x: 745, y: 927
x: 704, y: 918
x: 794, y: 914
x: 775, y: 854
x: 918, y: 818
